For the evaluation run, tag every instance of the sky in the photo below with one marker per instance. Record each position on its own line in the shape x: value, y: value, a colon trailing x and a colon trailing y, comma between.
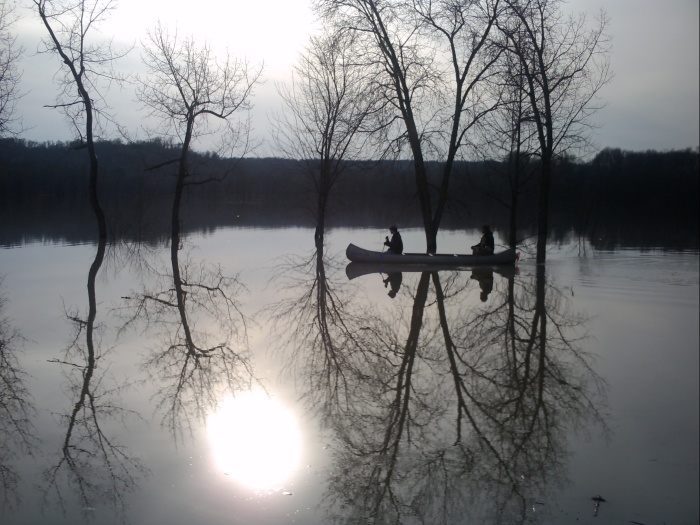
x: 652, y: 102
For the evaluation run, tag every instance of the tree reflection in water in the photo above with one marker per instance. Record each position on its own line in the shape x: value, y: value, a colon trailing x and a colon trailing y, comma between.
x: 313, y: 316
x: 191, y: 307
x: 91, y: 460
x: 17, y: 434
x: 202, y: 339
x: 445, y: 407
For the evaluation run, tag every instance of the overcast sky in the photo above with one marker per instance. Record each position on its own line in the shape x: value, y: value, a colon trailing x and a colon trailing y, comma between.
x: 652, y: 101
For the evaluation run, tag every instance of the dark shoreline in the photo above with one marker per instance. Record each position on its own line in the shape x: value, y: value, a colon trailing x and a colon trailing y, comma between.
x: 648, y: 199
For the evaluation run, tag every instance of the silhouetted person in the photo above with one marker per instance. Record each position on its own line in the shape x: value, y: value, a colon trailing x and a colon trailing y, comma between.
x: 484, y: 276
x: 394, y: 282
x: 486, y: 244
x: 395, y: 244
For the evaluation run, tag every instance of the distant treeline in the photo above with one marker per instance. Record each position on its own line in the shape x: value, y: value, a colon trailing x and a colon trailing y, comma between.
x: 618, y: 198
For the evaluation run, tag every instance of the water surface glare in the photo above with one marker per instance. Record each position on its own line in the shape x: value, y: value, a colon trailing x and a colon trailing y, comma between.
x: 269, y: 388
x: 255, y: 440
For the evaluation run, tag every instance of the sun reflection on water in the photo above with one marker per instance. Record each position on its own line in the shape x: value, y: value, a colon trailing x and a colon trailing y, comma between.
x: 255, y: 440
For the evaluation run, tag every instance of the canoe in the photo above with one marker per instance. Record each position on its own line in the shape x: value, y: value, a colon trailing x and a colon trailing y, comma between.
x: 360, y: 255
x: 357, y: 269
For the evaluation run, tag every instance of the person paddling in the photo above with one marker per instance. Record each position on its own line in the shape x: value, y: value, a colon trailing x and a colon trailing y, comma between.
x: 486, y: 244
x: 395, y: 244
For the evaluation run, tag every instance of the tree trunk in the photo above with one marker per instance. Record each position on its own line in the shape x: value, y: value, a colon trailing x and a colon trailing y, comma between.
x: 543, y: 211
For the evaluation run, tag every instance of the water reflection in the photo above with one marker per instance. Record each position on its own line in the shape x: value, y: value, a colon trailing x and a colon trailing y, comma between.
x: 91, y: 461
x: 393, y: 280
x: 442, y: 406
x: 192, y: 309
x: 484, y: 276
x: 255, y: 440
x: 17, y: 434
x: 200, y: 336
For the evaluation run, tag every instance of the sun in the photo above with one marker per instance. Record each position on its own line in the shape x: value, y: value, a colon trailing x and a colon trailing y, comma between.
x: 255, y: 440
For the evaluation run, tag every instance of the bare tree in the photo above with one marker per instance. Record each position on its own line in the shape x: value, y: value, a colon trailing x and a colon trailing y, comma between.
x: 87, y: 62
x: 10, y: 73
x: 87, y: 67
x: 564, y: 65
x: 388, y: 41
x: 194, y: 93
x: 430, y: 58
x: 508, y: 134
x: 462, y: 32
x: 186, y: 88
x: 326, y: 105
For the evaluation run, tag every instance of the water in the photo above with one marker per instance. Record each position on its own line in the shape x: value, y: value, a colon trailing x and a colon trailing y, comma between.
x: 290, y: 394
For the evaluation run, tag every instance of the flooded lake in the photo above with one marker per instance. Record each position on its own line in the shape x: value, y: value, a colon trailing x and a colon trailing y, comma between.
x: 252, y: 379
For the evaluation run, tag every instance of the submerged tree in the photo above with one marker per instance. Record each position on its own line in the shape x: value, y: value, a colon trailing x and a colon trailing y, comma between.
x: 429, y: 60
x: 508, y: 133
x: 85, y: 66
x: 462, y: 32
x: 193, y: 93
x: 389, y: 44
x: 326, y: 106
x: 564, y: 66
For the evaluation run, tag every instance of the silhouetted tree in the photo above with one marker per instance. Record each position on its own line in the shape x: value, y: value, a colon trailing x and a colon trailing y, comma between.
x: 84, y: 66
x: 326, y: 105
x: 430, y: 58
x: 193, y: 93
x: 187, y: 88
x: 564, y: 67
x: 462, y: 33
x: 508, y: 134
x: 389, y: 44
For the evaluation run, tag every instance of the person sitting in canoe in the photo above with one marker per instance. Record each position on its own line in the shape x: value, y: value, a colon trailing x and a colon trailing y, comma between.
x: 486, y: 244
x: 395, y: 244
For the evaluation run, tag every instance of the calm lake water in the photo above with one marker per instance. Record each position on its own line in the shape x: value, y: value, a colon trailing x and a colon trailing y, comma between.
x: 284, y: 391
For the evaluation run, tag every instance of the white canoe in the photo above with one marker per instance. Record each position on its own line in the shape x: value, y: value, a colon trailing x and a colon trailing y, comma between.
x: 357, y: 254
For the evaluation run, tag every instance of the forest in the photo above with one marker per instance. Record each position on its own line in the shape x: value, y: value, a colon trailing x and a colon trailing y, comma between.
x: 618, y: 196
